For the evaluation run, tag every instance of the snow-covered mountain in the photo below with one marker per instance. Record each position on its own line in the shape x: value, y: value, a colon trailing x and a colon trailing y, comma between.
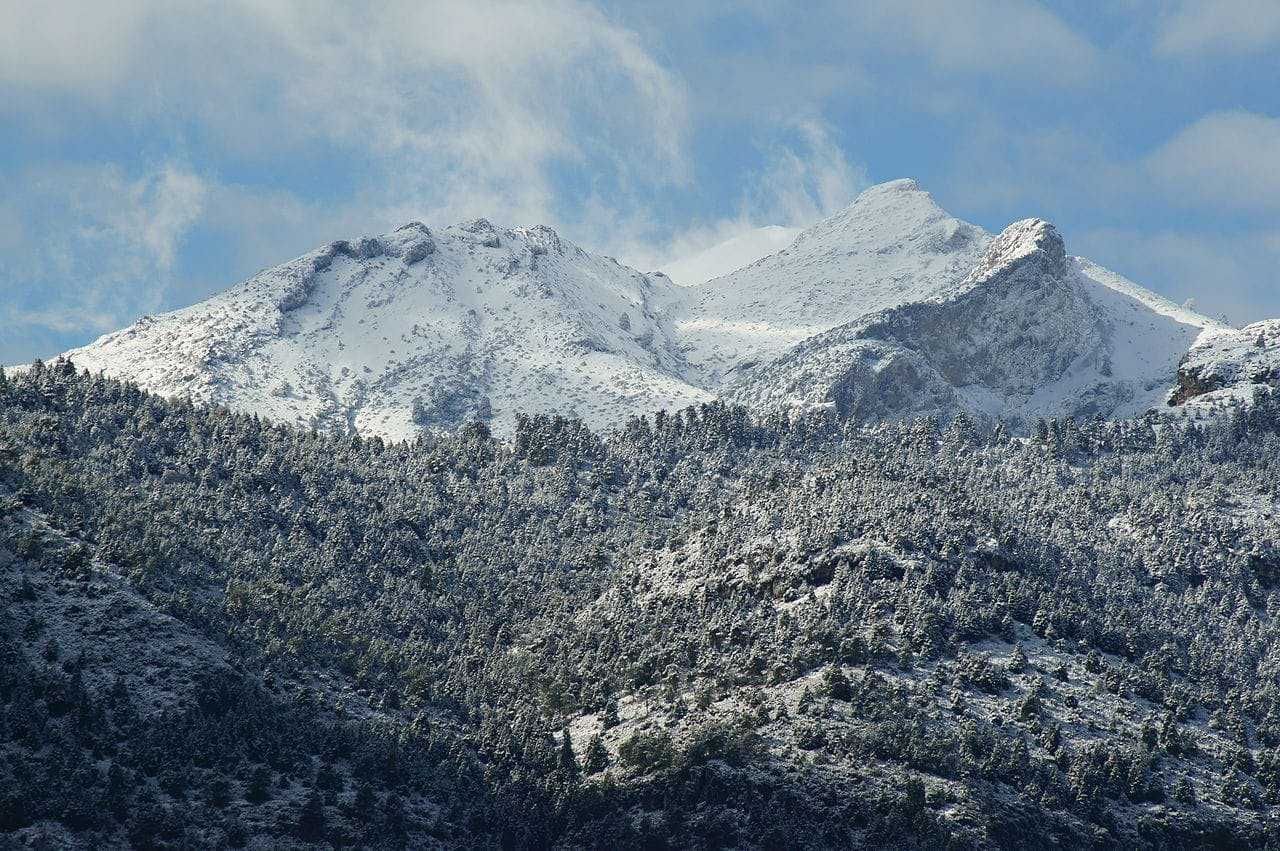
x: 1224, y: 367
x: 890, y: 307
x: 1029, y: 332
x: 730, y: 255
x: 891, y: 246
x: 419, y: 328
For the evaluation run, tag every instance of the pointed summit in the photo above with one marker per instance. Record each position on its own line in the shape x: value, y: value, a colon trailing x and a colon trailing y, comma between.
x: 886, y: 213
x: 891, y: 246
x: 1031, y: 244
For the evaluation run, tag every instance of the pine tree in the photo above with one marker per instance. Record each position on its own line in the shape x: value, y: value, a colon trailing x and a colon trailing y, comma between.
x: 567, y: 762
x: 258, y: 788
x: 1018, y: 661
x: 596, y: 758
x: 311, y: 818
x: 609, y: 719
x: 835, y: 684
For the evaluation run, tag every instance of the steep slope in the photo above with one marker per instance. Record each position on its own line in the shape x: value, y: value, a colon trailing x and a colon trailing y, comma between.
x: 1029, y: 332
x: 892, y: 246
x: 729, y: 256
x: 419, y: 329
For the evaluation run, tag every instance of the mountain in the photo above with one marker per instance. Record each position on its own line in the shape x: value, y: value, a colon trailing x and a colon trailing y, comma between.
x: 730, y: 255
x: 892, y: 246
x: 1029, y: 332
x: 891, y: 307
x: 702, y: 631
x: 1223, y: 368
x: 419, y: 328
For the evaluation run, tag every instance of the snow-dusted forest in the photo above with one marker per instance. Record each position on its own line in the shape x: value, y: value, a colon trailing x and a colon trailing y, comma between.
x: 702, y: 630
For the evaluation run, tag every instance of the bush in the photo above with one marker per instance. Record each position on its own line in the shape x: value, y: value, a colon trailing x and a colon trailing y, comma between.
x: 977, y: 672
x: 733, y: 744
x: 647, y: 751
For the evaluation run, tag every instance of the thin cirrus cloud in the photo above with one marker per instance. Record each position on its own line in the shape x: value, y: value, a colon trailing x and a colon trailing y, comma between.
x: 452, y: 99
x: 805, y: 175
x: 1217, y: 27
x: 89, y: 246
x: 1226, y: 275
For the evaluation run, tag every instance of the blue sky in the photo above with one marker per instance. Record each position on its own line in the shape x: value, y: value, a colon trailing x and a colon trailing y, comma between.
x: 154, y: 153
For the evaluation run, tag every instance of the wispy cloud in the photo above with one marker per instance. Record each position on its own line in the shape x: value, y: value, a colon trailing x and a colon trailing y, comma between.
x: 458, y: 105
x: 805, y: 179
x: 443, y: 110
x: 806, y: 176
x: 1012, y: 39
x: 1218, y: 27
x: 96, y: 244
x: 1228, y: 159
x: 1227, y: 275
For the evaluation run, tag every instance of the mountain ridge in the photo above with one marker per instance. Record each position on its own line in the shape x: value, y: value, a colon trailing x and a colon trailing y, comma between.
x: 890, y: 307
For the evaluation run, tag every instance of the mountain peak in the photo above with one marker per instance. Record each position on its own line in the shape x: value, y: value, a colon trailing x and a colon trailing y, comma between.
x: 902, y: 184
x: 892, y: 213
x: 892, y: 193
x: 1032, y: 243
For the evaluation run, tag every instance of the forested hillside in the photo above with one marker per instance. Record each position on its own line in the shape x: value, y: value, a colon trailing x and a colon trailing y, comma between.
x: 705, y: 630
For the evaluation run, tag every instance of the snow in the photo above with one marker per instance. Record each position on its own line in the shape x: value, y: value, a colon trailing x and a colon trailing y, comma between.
x: 1225, y: 366
x: 1029, y: 332
x: 486, y: 324
x: 891, y: 246
x: 890, y: 307
x: 730, y: 255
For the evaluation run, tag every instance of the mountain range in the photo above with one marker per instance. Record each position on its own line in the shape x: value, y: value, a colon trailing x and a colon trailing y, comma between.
x: 889, y: 308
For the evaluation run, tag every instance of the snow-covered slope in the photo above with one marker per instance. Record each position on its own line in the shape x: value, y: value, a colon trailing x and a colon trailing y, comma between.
x: 892, y: 246
x: 891, y: 307
x: 1227, y: 366
x: 1029, y: 332
x: 730, y: 255
x: 419, y: 328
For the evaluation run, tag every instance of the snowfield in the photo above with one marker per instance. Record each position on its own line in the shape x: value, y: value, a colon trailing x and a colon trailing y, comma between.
x: 889, y: 308
x: 730, y: 255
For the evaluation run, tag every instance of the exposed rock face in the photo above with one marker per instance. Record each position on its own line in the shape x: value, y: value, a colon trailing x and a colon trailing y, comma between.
x: 1229, y: 365
x: 1019, y: 322
x: 1028, y: 332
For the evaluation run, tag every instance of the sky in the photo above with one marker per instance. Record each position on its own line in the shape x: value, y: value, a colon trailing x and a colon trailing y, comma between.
x: 154, y: 153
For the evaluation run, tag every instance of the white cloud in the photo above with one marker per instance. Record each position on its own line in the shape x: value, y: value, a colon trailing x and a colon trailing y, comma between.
x: 97, y: 245
x: 154, y: 213
x: 1009, y: 171
x: 1208, y: 27
x: 1014, y: 39
x: 458, y: 105
x: 1232, y: 275
x: 803, y: 179
x: 1227, y: 159
x: 85, y: 47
